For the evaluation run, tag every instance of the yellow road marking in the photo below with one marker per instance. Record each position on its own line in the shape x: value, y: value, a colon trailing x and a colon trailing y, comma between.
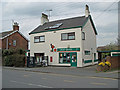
x: 99, y: 83
x: 68, y: 81
x: 44, y: 78
x: 102, y: 78
x: 81, y: 76
x: 25, y: 75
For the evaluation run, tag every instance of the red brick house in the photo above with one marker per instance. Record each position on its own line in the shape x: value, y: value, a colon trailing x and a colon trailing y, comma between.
x: 13, y: 39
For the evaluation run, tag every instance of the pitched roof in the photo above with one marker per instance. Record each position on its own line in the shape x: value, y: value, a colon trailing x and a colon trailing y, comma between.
x: 3, y: 34
x: 8, y: 33
x: 66, y: 23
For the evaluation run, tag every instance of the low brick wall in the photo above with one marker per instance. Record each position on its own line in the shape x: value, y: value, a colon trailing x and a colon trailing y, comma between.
x: 115, y: 61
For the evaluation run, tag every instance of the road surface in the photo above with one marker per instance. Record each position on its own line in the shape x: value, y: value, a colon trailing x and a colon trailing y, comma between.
x: 27, y: 79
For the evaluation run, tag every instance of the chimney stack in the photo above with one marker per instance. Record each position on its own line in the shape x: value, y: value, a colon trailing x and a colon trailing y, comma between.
x: 15, y: 26
x: 44, y: 18
x: 87, y: 12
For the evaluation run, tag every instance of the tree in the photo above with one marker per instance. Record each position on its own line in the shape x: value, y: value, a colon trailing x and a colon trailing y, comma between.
x: 118, y: 40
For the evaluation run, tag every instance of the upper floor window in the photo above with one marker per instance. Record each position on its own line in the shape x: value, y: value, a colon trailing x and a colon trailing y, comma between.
x: 83, y: 36
x: 42, y: 38
x: 14, y: 42
x: 68, y: 36
x: 38, y: 39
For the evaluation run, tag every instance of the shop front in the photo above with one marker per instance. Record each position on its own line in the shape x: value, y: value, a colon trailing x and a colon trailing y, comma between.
x: 68, y: 56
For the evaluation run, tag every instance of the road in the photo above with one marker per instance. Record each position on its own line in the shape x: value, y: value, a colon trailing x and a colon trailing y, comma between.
x: 27, y: 79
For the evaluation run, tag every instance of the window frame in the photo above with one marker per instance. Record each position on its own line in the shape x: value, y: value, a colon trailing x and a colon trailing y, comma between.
x: 63, y: 58
x: 42, y: 36
x: 38, y: 37
x: 68, y: 34
x: 87, y: 52
x: 83, y: 35
x: 14, y: 43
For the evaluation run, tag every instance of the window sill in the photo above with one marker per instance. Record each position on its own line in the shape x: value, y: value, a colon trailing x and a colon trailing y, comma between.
x: 39, y: 42
x: 68, y: 40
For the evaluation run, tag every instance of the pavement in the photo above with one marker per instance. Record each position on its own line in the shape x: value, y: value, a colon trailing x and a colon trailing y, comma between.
x: 85, y: 71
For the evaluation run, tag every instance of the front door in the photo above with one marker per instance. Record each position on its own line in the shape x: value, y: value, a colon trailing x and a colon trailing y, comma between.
x: 73, y: 59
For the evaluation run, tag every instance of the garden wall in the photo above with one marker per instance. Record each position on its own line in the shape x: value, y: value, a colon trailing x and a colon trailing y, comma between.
x: 115, y: 61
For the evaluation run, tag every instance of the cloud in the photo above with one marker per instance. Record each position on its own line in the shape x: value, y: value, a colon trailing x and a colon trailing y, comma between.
x: 28, y: 15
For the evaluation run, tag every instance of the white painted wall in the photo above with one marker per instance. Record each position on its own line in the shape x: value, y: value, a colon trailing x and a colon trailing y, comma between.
x: 89, y: 43
x: 55, y: 39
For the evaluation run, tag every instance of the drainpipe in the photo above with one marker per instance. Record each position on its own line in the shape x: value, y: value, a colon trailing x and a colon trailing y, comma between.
x: 82, y: 43
x: 7, y: 43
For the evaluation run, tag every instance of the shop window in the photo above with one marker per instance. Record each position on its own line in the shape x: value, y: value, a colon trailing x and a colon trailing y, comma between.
x: 83, y: 36
x: 14, y: 42
x: 64, y: 57
x: 68, y: 36
x: 38, y: 39
x: 87, y: 52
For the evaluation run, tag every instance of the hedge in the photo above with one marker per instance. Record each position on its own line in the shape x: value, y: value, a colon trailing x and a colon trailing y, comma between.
x: 14, y: 57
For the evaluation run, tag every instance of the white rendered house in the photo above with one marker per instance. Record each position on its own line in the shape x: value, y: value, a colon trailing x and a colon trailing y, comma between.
x: 66, y: 42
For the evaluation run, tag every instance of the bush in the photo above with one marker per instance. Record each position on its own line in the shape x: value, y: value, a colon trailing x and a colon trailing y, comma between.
x: 9, y: 60
x: 14, y: 57
x: 20, y: 51
x: 20, y: 61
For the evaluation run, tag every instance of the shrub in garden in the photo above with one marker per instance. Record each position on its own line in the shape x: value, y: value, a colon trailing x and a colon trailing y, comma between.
x: 9, y: 60
x: 20, y: 61
x: 13, y: 57
x: 103, y: 66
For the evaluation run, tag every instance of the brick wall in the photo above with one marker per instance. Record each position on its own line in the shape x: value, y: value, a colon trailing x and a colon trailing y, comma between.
x: 21, y: 42
x: 115, y: 61
x: 0, y: 43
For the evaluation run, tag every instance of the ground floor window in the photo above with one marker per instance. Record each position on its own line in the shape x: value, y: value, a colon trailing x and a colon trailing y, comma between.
x: 67, y: 57
x: 64, y: 57
x: 87, y: 52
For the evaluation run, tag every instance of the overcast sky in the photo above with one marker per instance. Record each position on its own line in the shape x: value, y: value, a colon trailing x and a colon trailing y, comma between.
x: 28, y: 14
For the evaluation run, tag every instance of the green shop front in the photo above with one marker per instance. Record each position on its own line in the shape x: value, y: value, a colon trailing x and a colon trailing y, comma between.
x: 68, y: 56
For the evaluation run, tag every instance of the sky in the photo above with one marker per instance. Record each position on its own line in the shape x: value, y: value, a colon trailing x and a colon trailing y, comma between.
x: 28, y: 15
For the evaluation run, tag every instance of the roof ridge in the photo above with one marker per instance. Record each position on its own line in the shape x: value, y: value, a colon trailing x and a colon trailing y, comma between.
x: 64, y: 19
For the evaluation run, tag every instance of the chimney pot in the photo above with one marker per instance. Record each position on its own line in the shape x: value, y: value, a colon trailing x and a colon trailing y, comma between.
x: 87, y: 12
x: 15, y: 26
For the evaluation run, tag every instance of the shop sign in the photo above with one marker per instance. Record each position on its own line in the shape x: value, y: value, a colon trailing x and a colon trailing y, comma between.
x: 68, y: 49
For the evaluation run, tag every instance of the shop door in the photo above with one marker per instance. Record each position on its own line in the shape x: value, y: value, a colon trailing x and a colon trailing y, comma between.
x: 73, y: 59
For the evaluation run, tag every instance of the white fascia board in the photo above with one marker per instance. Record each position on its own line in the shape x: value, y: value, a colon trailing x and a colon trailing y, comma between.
x: 9, y: 34
x: 13, y: 33
x: 23, y: 36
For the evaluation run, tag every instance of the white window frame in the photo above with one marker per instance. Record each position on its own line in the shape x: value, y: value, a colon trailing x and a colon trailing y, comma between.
x: 14, y: 42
